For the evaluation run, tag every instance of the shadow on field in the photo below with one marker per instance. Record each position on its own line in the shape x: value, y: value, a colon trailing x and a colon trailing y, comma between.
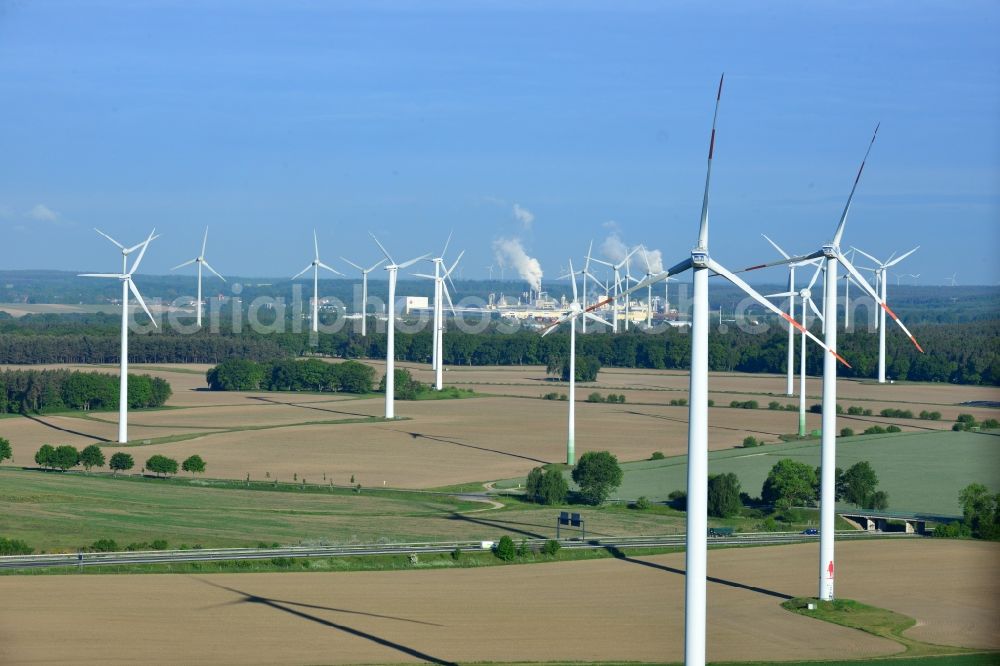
x: 305, y: 405
x: 716, y: 427
x: 618, y: 554
x: 282, y: 605
x: 418, y: 435
x: 61, y: 429
x: 500, y: 524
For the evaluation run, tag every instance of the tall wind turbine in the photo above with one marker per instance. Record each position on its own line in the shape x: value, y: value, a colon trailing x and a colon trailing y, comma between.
x: 618, y: 287
x: 791, y: 293
x: 127, y: 286
x: 364, y: 290
x: 881, y: 270
x: 201, y: 261
x: 441, y: 274
x: 390, y: 352
x: 832, y: 255
x: 316, y: 264
x: 701, y: 263
x: 576, y: 311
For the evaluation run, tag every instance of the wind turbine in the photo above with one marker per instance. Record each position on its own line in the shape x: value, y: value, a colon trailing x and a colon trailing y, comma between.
x: 364, y: 290
x: 127, y: 286
x: 390, y: 351
x: 490, y: 269
x: 950, y: 281
x: 832, y: 255
x: 576, y: 311
x: 201, y: 261
x: 316, y: 264
x: 441, y: 273
x: 618, y: 290
x: 700, y: 263
x: 791, y: 293
x: 807, y: 304
x: 881, y: 271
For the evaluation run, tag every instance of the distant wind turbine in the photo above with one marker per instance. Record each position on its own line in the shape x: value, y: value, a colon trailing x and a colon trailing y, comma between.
x: 201, y: 261
x: 364, y: 290
x: 316, y: 264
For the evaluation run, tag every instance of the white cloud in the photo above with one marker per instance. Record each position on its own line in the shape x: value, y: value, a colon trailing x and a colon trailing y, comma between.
x: 612, y: 225
x: 42, y: 213
x: 614, y: 248
x: 524, y: 216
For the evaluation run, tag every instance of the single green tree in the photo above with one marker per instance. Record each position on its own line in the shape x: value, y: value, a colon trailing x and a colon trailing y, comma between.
x: 161, y: 465
x: 859, y: 482
x: 121, y: 462
x: 724, y: 495
x: 92, y: 456
x: 791, y: 482
x: 505, y: 549
x: 553, y: 488
x: 65, y: 457
x: 5, y: 451
x: 531, y: 484
x: 597, y: 474
x: 44, y: 455
x: 194, y: 464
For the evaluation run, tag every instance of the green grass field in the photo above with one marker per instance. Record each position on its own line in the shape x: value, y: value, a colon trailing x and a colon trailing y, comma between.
x: 921, y: 471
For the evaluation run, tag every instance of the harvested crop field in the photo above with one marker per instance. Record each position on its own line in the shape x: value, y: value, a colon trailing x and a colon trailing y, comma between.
x: 480, y: 614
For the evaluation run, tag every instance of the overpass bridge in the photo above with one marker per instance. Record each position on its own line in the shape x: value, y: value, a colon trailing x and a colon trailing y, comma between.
x: 885, y: 521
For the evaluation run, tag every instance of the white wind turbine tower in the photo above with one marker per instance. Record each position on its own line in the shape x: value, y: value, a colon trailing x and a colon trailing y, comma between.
x: 951, y: 281
x: 832, y: 255
x: 700, y: 263
x: 576, y: 311
x: 316, y: 264
x: 807, y: 304
x: 201, y: 261
x: 441, y: 273
x: 390, y: 352
x: 790, y: 384
x: 364, y: 290
x: 649, y: 288
x: 881, y: 271
x: 127, y: 286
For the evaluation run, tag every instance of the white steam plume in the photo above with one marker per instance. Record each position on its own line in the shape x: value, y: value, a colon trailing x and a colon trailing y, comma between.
x: 653, y: 261
x: 524, y: 216
x: 614, y: 248
x: 510, y: 252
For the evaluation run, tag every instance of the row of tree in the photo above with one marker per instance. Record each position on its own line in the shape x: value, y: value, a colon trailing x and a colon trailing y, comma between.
x: 965, y: 353
x: 66, y: 457
x: 291, y: 375
x: 27, y: 391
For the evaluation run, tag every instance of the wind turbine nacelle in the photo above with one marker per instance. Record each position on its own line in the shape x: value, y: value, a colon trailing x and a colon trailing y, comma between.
x: 699, y: 258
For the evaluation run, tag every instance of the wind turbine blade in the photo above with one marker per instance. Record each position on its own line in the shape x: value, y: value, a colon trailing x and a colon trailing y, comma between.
x: 138, y: 297
x: 703, y: 226
x: 843, y: 217
x: 447, y: 295
x: 862, y: 252
x: 819, y: 269
x: 375, y: 265
x: 591, y: 276
x: 572, y: 277
x: 424, y: 275
x: 302, y: 271
x: 776, y: 247
x: 209, y: 267
x: 871, y: 292
x: 118, y: 276
x: 406, y: 264
x: 186, y: 263
x: 316, y: 244
x: 138, y: 245
x: 784, y: 294
x: 348, y: 261
x: 586, y: 264
x: 109, y: 238
x: 142, y: 252
x: 381, y: 247
x: 329, y: 268
x: 642, y: 284
x: 204, y: 242
x: 752, y: 293
x: 592, y: 317
x: 447, y: 243
x: 791, y: 260
x: 819, y: 315
x: 563, y: 318
x: 447, y: 273
x: 602, y: 262
x: 900, y: 258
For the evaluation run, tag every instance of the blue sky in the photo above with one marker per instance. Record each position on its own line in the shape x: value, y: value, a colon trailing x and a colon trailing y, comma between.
x: 266, y: 119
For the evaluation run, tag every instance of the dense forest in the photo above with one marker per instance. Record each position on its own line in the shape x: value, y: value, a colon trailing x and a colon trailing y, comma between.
x: 238, y: 374
x: 966, y: 353
x: 39, y: 391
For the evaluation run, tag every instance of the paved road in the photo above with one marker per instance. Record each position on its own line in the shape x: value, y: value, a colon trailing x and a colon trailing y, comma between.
x: 227, y: 554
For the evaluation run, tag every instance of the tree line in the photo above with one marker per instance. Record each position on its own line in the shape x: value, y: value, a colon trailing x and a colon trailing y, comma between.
x: 37, y: 391
x: 291, y: 375
x: 964, y: 353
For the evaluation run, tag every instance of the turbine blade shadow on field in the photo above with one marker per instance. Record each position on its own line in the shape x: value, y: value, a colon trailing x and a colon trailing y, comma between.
x: 62, y: 429
x: 619, y: 555
x: 305, y: 405
x: 419, y: 435
x: 717, y: 427
x: 282, y: 605
x: 500, y: 524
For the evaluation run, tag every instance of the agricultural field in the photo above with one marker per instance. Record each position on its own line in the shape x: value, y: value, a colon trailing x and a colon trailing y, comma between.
x: 435, y: 444
x: 625, y: 609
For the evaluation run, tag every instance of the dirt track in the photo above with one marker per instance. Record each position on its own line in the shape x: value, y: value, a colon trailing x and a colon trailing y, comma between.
x: 587, y: 611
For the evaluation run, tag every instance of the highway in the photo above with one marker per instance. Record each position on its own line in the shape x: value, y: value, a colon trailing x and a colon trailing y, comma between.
x: 228, y: 554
